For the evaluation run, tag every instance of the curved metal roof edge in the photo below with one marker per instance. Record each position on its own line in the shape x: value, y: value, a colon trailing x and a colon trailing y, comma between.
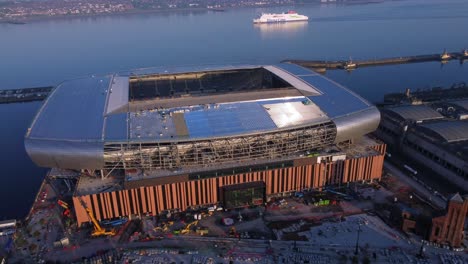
x: 104, y: 111
x: 349, y: 91
x: 33, y: 122
x: 414, y: 109
x: 301, y: 85
x: 442, y: 131
x: 370, y: 107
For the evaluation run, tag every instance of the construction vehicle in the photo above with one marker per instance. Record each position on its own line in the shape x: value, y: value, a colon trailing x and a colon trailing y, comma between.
x: 201, y: 231
x: 116, y: 222
x: 232, y: 232
x: 63, y: 204
x: 98, y: 230
x: 187, y: 228
x: 165, y: 227
x: 66, y: 208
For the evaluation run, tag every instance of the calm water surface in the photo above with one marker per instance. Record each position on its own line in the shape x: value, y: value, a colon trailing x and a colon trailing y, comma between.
x: 47, y: 52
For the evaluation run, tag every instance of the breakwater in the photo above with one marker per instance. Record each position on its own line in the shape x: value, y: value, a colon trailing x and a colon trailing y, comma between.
x: 24, y: 94
x: 351, y: 64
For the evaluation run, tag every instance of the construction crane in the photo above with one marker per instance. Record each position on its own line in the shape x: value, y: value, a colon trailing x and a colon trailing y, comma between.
x: 187, y: 228
x: 98, y: 230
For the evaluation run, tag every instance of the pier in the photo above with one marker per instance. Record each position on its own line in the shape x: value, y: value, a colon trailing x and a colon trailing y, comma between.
x: 455, y: 91
x: 24, y: 94
x: 341, y: 64
x: 40, y: 93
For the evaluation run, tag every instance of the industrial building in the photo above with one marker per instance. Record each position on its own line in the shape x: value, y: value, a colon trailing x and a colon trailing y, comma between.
x: 155, y: 140
x: 450, y: 227
x: 434, y: 134
x: 444, y: 227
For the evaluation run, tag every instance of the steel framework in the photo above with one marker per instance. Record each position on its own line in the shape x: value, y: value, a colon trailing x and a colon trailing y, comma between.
x: 211, y: 152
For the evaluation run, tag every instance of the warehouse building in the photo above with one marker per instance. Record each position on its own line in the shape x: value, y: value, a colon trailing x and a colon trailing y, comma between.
x: 434, y: 134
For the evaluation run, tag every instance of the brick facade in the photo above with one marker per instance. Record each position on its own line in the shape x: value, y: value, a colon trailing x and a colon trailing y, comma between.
x: 153, y: 199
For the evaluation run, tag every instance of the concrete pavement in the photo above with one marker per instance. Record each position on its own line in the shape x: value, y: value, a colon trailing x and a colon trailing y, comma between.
x: 429, y: 195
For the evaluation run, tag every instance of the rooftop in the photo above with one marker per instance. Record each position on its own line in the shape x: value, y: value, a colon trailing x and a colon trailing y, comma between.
x: 152, y: 104
x: 84, y: 120
x: 462, y: 103
x: 449, y: 135
x: 457, y: 198
x: 450, y: 131
x: 417, y: 113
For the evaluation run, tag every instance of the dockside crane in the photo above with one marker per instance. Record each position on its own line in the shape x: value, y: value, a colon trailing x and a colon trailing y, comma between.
x: 98, y: 230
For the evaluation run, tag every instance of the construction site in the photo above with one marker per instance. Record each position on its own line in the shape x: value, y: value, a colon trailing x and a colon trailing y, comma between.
x: 302, y: 227
x: 269, y: 164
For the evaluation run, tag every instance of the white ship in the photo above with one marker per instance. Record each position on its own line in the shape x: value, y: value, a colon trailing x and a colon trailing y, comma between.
x: 279, y: 18
x: 445, y: 56
x: 465, y: 53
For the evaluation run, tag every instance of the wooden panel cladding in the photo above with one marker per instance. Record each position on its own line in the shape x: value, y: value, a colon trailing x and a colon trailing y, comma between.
x: 382, y: 148
x: 305, y: 161
x: 155, y: 181
x: 168, y: 195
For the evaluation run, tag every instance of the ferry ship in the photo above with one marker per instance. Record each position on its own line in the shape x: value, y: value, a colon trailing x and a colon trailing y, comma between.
x: 291, y: 16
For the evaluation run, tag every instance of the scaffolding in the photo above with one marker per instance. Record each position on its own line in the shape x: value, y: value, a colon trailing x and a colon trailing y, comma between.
x: 217, y: 151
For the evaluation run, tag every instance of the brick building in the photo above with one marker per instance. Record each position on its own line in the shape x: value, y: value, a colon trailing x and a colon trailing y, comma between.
x: 449, y: 228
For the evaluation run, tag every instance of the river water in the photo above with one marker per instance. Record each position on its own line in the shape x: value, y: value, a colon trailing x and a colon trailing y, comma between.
x: 49, y: 51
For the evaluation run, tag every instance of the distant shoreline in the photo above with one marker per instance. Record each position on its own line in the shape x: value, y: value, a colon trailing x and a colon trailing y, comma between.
x: 31, y: 19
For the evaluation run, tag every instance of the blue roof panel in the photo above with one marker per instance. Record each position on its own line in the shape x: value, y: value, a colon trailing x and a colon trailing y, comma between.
x: 228, y: 119
x: 198, y: 124
x: 116, y: 127
x: 335, y: 99
x: 74, y: 111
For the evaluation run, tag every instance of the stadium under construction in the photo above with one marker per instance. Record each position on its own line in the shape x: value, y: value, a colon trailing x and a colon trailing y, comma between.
x: 156, y: 140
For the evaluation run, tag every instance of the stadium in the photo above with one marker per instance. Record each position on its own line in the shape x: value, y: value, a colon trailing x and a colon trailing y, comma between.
x: 153, y: 140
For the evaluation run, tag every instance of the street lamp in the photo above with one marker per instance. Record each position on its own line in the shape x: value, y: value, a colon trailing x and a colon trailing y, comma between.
x: 357, y: 240
x: 422, y: 249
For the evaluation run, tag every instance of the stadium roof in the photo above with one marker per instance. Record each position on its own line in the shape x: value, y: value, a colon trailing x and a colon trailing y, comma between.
x: 94, y: 111
x: 451, y: 131
x: 417, y: 113
x: 74, y: 111
x: 462, y: 103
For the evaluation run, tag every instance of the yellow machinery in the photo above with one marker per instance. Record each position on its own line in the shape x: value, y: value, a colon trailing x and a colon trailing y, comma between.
x: 187, y: 228
x: 165, y: 227
x: 202, y: 231
x: 98, y: 230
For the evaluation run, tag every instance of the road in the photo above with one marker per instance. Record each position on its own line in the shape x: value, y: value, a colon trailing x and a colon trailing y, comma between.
x: 420, y: 189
